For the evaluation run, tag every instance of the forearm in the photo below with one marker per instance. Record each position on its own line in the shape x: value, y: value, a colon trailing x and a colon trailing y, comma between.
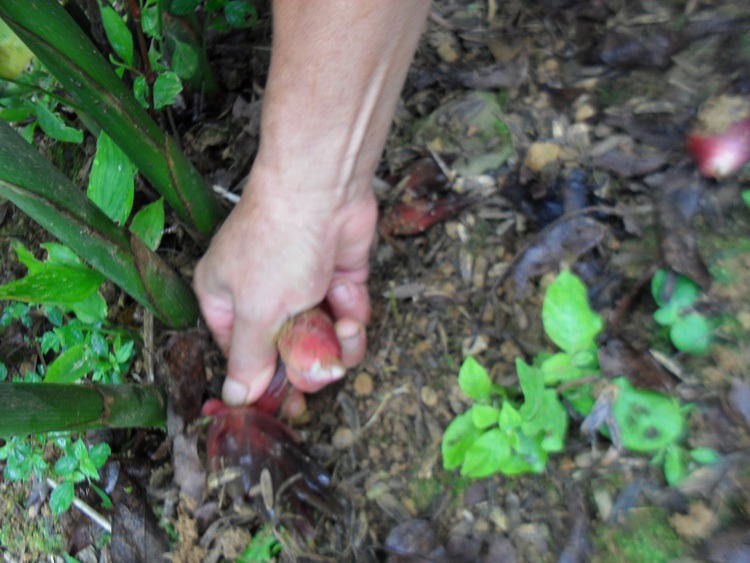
x: 337, y: 70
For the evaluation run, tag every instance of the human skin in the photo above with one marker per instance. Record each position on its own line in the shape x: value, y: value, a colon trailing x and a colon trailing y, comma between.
x: 302, y: 230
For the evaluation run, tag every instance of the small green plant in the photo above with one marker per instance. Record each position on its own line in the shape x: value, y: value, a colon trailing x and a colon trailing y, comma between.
x: 25, y: 457
x: 78, y: 463
x: 263, y: 547
x: 87, y: 344
x: 689, y: 330
x: 509, y: 432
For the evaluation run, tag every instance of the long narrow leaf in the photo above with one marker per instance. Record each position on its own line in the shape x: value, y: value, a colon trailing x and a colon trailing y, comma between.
x: 33, y: 408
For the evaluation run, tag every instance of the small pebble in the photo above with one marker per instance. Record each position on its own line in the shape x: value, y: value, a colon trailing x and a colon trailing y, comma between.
x: 363, y: 384
x: 343, y: 438
x: 603, y: 501
x: 429, y: 396
x: 472, y: 346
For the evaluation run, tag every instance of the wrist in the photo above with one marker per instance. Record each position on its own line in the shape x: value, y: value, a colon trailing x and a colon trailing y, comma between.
x: 317, y: 181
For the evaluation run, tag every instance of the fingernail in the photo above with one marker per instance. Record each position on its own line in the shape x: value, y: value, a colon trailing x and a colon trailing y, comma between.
x: 234, y: 393
x: 341, y: 294
x: 349, y: 338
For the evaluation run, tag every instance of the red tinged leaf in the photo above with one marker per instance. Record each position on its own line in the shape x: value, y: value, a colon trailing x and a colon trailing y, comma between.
x: 308, y: 344
x: 724, y: 154
x: 252, y: 440
x: 415, y: 217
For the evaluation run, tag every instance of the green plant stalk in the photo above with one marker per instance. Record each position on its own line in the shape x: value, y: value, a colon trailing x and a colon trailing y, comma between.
x: 33, y: 184
x: 47, y: 29
x: 34, y: 408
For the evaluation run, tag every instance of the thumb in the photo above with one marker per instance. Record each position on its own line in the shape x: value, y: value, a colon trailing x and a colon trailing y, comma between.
x: 251, y: 364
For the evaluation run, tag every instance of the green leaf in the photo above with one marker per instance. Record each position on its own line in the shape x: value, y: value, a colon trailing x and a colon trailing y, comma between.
x: 684, y: 293
x: 50, y: 341
x: 62, y: 255
x: 241, y: 14
x: 486, y: 455
x: 580, y: 398
x: 457, y: 438
x: 148, y: 224
x: 166, y: 88
x: 27, y: 258
x: 185, y: 60
x: 150, y: 20
x: 65, y: 465
x: 528, y: 456
x: 56, y: 284
x: 509, y: 418
x: 124, y: 352
x: 675, y: 465
x: 112, y: 180
x: 79, y: 450
x: 648, y: 421
x: 54, y: 126
x: 88, y: 469
x: 484, y: 416
x: 568, y: 320
x: 746, y: 197
x: 106, y: 501
x: 262, y: 547
x: 118, y: 34
x: 99, y: 454
x: 666, y: 315
x: 559, y: 368
x: 69, y: 367
x: 90, y: 310
x: 556, y: 419
x: 550, y: 421
x: 705, y: 456
x: 62, y: 497
x: 691, y: 334
x: 140, y: 90
x: 532, y: 385
x: 183, y: 7
x: 473, y: 380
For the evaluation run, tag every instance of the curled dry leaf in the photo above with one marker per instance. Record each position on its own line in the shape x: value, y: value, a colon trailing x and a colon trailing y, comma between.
x: 568, y: 240
x: 415, y: 217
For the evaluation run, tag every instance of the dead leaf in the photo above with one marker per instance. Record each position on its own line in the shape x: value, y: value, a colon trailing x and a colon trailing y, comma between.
x: 697, y: 524
x: 189, y: 474
x: 739, y: 399
x: 629, y: 166
x: 677, y: 240
x: 186, y: 372
x: 136, y: 534
x: 566, y: 241
x: 618, y: 357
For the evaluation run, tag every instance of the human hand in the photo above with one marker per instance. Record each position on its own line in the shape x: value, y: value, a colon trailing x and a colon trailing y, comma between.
x: 275, y: 257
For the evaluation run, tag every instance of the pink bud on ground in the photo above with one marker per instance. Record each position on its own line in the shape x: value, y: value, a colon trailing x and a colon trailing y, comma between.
x: 724, y: 154
x: 309, y: 346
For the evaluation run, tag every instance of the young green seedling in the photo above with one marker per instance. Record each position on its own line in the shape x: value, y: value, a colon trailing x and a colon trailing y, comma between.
x: 689, y: 331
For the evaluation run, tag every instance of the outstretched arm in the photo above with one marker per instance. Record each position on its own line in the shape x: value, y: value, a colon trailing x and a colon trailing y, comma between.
x: 302, y: 230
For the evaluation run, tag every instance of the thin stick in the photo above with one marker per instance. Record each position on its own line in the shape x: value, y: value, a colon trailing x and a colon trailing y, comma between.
x: 87, y: 510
